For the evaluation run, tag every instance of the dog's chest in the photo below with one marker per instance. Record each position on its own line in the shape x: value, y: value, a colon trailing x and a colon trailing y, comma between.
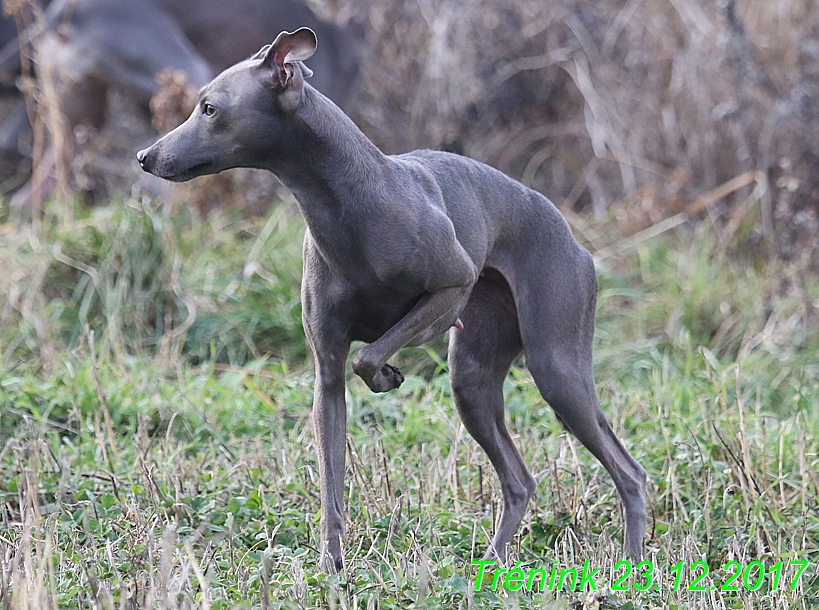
x: 366, y: 296
x: 373, y: 311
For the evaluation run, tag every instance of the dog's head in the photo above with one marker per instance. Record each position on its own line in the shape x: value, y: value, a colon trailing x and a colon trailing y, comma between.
x: 240, y: 116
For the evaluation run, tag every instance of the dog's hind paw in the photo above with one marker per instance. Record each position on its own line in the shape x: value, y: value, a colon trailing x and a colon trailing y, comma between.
x: 388, y: 378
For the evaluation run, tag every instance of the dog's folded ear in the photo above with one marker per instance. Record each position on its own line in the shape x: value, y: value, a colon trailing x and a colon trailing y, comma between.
x: 287, y: 52
x: 260, y: 53
x: 305, y: 71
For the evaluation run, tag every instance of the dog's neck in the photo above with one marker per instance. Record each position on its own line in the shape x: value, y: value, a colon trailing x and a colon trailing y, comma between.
x: 334, y: 165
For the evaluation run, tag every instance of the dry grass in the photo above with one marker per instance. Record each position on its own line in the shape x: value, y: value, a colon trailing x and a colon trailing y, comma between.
x: 637, y: 108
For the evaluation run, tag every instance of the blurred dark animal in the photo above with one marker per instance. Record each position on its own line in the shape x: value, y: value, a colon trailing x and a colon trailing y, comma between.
x: 87, y: 48
x: 93, y: 46
x: 398, y: 250
x: 126, y: 43
x: 97, y: 44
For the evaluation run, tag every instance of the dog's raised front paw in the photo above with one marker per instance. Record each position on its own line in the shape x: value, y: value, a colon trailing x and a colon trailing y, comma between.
x: 388, y: 378
x: 385, y: 379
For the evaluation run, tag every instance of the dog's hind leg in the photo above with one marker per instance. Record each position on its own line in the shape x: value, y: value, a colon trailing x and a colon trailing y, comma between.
x: 556, y: 317
x: 479, y: 358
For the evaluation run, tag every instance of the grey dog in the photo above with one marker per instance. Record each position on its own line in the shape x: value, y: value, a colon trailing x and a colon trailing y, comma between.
x: 399, y: 249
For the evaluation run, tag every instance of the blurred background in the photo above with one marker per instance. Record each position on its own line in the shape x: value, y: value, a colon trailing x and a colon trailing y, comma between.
x: 633, y: 116
x: 638, y: 109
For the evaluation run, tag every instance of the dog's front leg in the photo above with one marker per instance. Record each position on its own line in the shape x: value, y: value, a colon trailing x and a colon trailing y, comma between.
x: 330, y: 428
x: 370, y: 363
x: 330, y: 349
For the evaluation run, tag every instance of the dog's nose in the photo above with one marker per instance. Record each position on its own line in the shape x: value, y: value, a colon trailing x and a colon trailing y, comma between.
x: 141, y: 156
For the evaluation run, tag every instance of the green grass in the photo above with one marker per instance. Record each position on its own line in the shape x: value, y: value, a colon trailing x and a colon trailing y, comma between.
x: 156, y: 447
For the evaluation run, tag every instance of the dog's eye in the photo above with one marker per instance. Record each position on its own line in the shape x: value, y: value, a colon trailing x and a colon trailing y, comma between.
x: 208, y: 109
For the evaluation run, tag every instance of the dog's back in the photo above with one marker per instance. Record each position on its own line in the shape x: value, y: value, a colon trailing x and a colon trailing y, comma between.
x: 512, y: 214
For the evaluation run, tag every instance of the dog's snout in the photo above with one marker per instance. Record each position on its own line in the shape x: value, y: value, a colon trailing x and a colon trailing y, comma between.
x: 141, y: 155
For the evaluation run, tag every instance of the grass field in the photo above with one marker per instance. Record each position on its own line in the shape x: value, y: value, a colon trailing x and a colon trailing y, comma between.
x: 156, y: 447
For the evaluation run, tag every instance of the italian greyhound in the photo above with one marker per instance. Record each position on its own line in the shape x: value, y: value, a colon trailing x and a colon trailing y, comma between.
x: 398, y: 249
